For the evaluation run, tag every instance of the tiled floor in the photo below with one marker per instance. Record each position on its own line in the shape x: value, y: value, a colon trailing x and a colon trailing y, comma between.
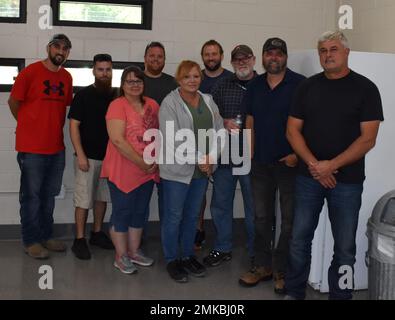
x: 98, y: 279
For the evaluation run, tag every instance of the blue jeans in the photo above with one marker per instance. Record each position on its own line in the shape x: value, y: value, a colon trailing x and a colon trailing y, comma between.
x: 181, y: 207
x: 41, y: 181
x: 344, y: 202
x: 222, y: 208
x: 129, y: 209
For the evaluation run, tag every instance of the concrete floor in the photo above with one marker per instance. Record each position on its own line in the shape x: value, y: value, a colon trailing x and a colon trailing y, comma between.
x: 98, y: 279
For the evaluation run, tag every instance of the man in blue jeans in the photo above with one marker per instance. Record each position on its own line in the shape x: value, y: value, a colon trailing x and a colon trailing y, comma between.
x: 38, y: 102
x: 228, y: 93
x: 333, y: 123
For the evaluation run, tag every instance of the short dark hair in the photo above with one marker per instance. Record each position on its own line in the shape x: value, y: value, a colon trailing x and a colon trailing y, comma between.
x: 102, y: 57
x: 212, y: 43
x: 138, y: 74
x: 154, y: 44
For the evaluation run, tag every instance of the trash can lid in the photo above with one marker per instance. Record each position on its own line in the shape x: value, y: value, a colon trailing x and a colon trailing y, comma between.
x: 383, y: 216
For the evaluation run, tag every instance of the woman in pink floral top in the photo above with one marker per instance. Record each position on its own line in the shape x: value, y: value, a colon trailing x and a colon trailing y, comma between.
x: 130, y: 178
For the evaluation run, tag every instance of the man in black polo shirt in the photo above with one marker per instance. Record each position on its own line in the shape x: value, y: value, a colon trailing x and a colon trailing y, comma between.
x: 89, y: 136
x: 333, y: 123
x: 267, y: 104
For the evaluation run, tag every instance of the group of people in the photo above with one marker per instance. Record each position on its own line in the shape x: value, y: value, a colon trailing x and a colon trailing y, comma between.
x: 303, y: 138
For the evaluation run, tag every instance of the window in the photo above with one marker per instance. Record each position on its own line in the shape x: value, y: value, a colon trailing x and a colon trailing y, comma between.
x: 13, y: 11
x: 9, y: 69
x: 123, y: 14
x: 81, y: 71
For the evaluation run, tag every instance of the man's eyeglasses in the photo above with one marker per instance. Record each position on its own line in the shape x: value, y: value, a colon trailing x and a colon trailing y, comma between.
x: 242, y: 60
x: 134, y: 82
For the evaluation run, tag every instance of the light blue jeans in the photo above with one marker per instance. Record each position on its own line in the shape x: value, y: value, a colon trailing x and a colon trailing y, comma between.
x: 181, y: 207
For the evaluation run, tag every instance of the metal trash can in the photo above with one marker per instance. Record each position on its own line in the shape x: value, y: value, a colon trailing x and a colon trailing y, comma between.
x: 380, y: 257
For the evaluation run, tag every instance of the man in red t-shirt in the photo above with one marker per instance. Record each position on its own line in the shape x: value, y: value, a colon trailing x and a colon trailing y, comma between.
x: 38, y: 101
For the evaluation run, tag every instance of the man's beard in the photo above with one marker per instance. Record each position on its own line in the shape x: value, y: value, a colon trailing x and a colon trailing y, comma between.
x: 155, y: 72
x: 103, y: 85
x: 214, y: 68
x: 274, y: 68
x: 55, y: 61
x: 243, y: 74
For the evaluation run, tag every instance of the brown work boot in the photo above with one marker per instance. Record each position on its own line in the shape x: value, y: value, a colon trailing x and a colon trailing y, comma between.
x: 255, y: 275
x: 279, y: 283
x: 55, y: 245
x: 37, y: 251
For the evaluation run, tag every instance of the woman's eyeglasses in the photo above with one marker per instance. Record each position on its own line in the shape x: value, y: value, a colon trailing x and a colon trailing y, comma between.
x: 134, y: 82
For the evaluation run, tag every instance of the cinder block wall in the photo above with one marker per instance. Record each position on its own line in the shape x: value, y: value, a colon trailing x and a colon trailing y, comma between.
x: 183, y: 26
x: 374, y: 25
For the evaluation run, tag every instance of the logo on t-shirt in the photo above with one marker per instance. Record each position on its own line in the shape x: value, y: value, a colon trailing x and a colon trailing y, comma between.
x: 54, y: 88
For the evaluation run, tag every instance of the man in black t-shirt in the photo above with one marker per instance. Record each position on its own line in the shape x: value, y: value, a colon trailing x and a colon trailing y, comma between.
x: 157, y: 83
x: 333, y: 123
x: 212, y: 55
x: 89, y: 136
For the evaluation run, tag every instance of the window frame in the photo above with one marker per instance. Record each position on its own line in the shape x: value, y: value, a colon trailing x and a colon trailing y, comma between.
x: 89, y: 64
x: 146, y: 24
x: 22, y: 14
x: 12, y: 62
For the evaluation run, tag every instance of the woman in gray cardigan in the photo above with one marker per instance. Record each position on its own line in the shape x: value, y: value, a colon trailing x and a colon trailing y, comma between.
x: 190, y: 123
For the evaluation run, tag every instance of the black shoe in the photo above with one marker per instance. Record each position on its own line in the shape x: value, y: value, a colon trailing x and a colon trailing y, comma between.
x: 215, y: 258
x: 176, y: 271
x: 194, y: 267
x: 80, y: 249
x: 199, y: 239
x: 100, y: 239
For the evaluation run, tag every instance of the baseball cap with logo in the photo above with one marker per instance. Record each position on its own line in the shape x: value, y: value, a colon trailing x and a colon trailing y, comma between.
x: 58, y: 38
x: 241, y: 49
x: 275, y: 43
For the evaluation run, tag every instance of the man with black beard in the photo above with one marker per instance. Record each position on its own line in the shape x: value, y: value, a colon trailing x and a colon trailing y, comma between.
x: 38, y: 101
x: 89, y: 136
x: 212, y: 55
x: 157, y: 83
x: 267, y: 102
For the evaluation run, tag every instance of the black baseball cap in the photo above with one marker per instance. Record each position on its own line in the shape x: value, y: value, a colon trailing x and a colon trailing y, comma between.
x: 60, y: 37
x: 275, y: 43
x: 241, y: 49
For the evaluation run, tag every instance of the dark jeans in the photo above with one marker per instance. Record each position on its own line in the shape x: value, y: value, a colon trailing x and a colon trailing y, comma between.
x: 181, y: 207
x: 41, y: 181
x: 222, y: 208
x: 266, y: 180
x: 344, y: 202
x: 129, y: 209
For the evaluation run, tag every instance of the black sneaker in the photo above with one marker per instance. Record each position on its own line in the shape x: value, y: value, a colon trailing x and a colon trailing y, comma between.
x: 80, y: 249
x: 177, y: 272
x: 100, y: 239
x: 215, y: 258
x: 199, y: 239
x: 194, y: 267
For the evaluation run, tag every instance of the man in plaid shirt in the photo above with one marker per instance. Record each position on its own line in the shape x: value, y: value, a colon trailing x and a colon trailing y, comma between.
x: 228, y: 93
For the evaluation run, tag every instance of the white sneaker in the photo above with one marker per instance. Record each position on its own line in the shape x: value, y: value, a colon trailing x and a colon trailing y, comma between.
x: 125, y: 265
x: 141, y: 260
